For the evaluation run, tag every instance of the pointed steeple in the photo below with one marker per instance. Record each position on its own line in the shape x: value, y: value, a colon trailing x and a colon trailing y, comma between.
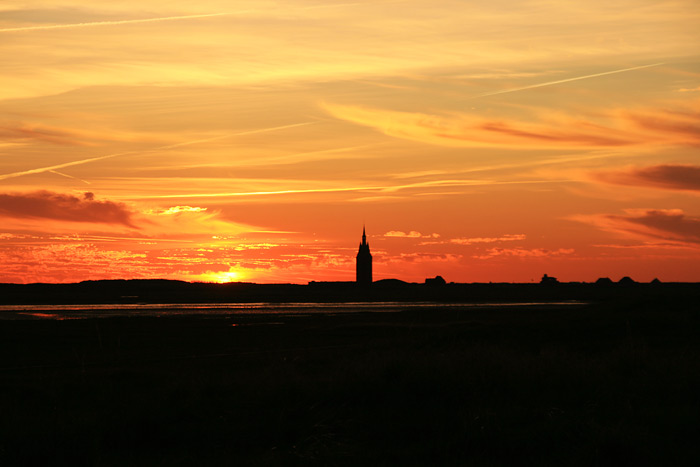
x: 363, y: 273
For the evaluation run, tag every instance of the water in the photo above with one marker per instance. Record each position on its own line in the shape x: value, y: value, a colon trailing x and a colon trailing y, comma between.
x: 64, y: 312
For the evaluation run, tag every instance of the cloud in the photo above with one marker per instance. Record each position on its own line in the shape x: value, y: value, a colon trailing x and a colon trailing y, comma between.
x: 424, y: 257
x: 174, y: 210
x: 396, y: 233
x: 689, y: 89
x: 503, y: 238
x: 525, y: 253
x: 679, y: 125
x: 91, y: 135
x: 666, y: 176
x: 657, y: 224
x: 411, y: 234
x: 64, y: 207
x: 399, y: 234
x: 36, y: 131
x: 71, y: 262
x: 53, y: 168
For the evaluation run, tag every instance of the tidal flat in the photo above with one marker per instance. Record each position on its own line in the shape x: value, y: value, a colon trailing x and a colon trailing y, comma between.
x: 601, y: 384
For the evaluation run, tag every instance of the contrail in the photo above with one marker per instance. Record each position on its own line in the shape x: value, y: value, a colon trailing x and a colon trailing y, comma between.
x: 550, y: 83
x: 263, y: 193
x: 69, y: 176
x: 382, y: 189
x: 152, y: 20
x: 146, y: 151
x: 114, y: 23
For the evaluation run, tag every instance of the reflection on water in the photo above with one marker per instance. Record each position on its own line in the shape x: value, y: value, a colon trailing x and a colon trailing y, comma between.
x: 61, y: 312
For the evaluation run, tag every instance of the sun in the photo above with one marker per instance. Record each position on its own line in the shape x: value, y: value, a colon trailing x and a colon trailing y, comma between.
x: 223, y: 277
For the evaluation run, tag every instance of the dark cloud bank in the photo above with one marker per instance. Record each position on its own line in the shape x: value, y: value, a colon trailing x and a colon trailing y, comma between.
x: 64, y: 207
x: 667, y: 176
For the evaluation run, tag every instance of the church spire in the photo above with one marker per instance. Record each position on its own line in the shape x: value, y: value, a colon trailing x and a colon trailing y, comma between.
x: 363, y: 272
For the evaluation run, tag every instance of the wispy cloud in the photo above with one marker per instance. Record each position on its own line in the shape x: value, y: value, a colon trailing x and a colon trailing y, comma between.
x: 502, y: 238
x: 657, y: 224
x: 21, y: 131
x: 147, y: 151
x: 525, y: 253
x: 175, y: 210
x: 666, y: 176
x: 344, y: 189
x: 670, y: 126
x: 411, y: 234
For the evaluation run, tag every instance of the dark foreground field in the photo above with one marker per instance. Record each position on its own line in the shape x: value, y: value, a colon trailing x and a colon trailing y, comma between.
x: 615, y: 384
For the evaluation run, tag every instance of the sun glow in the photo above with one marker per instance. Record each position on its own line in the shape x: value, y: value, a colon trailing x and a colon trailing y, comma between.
x: 223, y: 277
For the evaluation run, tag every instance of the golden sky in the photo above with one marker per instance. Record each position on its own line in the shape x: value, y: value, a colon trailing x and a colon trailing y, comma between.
x: 250, y: 140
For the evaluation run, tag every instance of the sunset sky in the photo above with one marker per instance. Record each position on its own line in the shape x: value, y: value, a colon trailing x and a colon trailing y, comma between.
x: 251, y: 140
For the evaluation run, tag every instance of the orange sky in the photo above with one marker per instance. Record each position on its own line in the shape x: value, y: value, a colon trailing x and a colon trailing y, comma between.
x: 219, y: 140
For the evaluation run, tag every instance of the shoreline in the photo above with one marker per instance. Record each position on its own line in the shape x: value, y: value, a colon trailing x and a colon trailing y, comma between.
x: 165, y: 291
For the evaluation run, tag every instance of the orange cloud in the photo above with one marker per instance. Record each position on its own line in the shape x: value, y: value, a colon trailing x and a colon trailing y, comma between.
x: 175, y: 210
x: 421, y: 257
x: 46, y: 133
x: 64, y: 207
x: 678, y: 126
x: 66, y: 136
x: 411, y: 234
x: 666, y: 176
x: 524, y: 253
x: 504, y: 238
x: 657, y: 224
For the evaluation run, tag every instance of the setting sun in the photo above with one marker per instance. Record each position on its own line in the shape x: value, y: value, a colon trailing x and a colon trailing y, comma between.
x: 222, y: 277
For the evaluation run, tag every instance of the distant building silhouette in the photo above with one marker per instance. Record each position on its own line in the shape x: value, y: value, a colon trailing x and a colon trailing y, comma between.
x: 547, y: 280
x: 363, y: 267
x: 627, y: 280
x: 437, y: 280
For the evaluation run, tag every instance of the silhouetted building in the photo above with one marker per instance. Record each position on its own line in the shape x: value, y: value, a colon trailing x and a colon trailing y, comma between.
x: 437, y: 280
x: 627, y: 280
x: 548, y: 280
x: 363, y: 267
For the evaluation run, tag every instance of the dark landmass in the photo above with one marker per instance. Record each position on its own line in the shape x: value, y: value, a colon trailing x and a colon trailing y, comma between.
x: 615, y: 382
x: 168, y: 291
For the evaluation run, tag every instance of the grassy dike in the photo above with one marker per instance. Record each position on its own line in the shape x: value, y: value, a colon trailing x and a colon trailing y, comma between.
x: 614, y: 384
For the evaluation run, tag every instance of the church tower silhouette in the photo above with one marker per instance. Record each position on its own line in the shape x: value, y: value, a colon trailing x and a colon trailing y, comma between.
x: 363, y: 267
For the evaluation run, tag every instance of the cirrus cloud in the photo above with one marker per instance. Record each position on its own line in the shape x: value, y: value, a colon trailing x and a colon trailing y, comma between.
x: 411, y: 234
x: 525, y: 253
x: 503, y: 238
x: 677, y: 124
x: 174, y: 210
